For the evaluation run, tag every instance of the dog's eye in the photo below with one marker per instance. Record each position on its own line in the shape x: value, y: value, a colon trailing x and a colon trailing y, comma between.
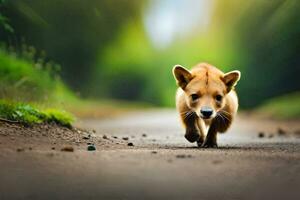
x: 195, y: 97
x: 219, y: 97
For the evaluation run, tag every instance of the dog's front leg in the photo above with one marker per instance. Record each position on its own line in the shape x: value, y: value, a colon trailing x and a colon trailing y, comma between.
x: 192, y: 133
x: 202, y: 131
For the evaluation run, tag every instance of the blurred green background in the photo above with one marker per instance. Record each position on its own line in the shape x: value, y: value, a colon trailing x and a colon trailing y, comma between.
x: 62, y: 50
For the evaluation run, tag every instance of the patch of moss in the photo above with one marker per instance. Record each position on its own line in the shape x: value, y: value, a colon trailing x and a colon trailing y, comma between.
x: 59, y: 117
x: 28, y: 114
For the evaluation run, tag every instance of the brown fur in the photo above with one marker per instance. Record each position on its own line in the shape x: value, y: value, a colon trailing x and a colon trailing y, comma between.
x: 202, y: 87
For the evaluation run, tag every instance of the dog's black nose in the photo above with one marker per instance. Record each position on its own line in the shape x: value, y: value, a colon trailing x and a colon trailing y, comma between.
x: 206, y: 112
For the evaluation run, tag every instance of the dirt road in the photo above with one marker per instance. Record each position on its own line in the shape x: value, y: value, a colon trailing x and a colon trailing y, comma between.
x: 161, y: 164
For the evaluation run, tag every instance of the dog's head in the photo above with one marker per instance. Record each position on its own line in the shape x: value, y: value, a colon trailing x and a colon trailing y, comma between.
x: 205, y: 88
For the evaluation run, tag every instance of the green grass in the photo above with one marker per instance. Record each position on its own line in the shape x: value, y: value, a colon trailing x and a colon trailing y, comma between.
x: 33, y: 86
x: 29, y: 114
x: 29, y: 86
x: 27, y: 78
x: 284, y: 107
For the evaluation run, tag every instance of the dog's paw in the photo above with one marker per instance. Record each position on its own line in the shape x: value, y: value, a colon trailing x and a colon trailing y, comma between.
x: 192, y: 135
x: 200, y: 142
x: 210, y: 144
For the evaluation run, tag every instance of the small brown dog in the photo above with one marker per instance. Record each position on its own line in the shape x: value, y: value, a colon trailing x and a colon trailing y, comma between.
x: 206, y: 101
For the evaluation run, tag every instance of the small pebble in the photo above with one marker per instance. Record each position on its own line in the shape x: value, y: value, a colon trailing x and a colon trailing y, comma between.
x: 154, y: 152
x: 183, y: 156
x: 20, y: 149
x: 217, y: 162
x: 115, y: 137
x: 85, y: 137
x: 53, y: 148
x: 104, y: 137
x: 261, y: 134
x: 91, y: 148
x: 130, y: 144
x: 67, y: 149
x: 280, y: 131
x: 125, y: 138
x: 144, y: 135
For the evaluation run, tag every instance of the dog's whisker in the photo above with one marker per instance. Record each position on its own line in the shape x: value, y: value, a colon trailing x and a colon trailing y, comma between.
x: 223, y: 120
x: 184, y: 112
x: 225, y: 112
x: 226, y: 117
x: 190, y: 113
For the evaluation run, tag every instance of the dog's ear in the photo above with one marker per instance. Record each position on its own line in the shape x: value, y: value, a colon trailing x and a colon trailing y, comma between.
x: 182, y: 76
x: 231, y: 78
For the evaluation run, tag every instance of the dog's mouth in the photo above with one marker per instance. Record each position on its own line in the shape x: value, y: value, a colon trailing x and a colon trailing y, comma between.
x: 203, y: 117
x: 206, y: 117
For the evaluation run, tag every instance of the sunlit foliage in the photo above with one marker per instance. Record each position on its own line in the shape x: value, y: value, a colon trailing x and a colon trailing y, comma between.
x: 28, y: 114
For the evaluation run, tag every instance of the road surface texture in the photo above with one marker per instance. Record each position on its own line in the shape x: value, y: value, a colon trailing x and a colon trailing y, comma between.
x: 255, y: 160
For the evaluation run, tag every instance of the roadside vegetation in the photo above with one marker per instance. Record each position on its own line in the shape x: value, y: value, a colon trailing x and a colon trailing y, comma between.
x: 28, y: 114
x: 27, y: 83
x: 26, y: 76
x: 32, y: 92
x: 283, y: 107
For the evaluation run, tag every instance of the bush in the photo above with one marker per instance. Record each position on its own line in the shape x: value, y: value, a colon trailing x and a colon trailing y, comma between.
x: 28, y: 78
